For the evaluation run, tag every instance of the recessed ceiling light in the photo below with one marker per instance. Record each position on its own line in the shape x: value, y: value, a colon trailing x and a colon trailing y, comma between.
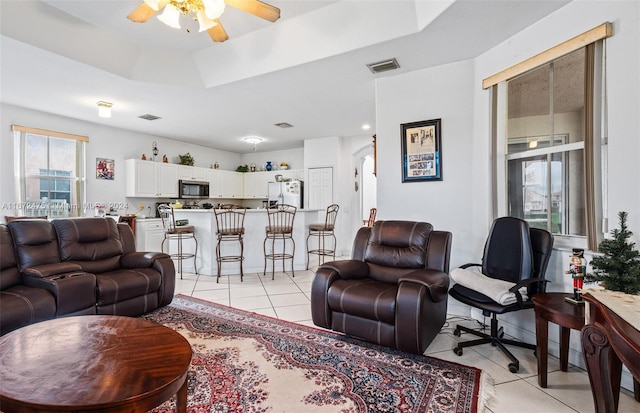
x: 366, y: 126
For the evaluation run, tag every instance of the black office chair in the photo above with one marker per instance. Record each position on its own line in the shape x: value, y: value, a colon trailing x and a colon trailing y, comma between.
x: 515, y: 253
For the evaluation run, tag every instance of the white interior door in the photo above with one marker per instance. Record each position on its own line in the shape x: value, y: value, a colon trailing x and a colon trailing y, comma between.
x: 320, y: 188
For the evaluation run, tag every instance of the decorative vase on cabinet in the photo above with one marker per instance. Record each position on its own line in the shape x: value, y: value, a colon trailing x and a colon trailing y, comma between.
x: 269, y: 167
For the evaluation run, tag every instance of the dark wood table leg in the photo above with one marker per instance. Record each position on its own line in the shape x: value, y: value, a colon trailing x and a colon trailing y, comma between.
x: 181, y: 398
x: 636, y: 389
x: 604, y: 367
x: 542, y: 349
x: 564, y: 348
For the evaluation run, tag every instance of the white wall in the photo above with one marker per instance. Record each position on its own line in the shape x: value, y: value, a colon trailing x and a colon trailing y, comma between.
x: 444, y: 92
x: 293, y: 157
x: 461, y: 203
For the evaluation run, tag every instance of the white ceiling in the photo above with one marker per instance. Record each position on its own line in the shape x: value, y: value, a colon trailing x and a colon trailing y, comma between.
x: 307, y: 69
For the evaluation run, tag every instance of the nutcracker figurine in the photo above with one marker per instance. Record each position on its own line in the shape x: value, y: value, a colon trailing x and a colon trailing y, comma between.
x: 577, y: 269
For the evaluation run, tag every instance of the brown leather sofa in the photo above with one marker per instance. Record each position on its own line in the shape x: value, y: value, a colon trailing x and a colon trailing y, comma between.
x: 77, y: 266
x: 393, y: 291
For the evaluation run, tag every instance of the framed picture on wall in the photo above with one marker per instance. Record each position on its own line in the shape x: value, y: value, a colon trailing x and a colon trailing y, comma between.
x: 421, y: 151
x: 104, y: 168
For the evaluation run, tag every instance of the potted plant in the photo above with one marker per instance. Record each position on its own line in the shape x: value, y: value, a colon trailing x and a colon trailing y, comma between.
x: 186, y: 159
x: 618, y: 268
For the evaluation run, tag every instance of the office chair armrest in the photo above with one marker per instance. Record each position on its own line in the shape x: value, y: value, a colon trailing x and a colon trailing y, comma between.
x: 347, y: 269
x: 526, y: 283
x: 437, y: 282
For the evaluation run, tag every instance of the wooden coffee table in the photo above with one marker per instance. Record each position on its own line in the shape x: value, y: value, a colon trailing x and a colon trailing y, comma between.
x: 93, y: 363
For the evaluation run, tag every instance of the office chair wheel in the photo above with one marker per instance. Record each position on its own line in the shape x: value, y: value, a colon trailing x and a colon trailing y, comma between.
x: 458, y: 351
x: 457, y: 332
x: 514, y: 367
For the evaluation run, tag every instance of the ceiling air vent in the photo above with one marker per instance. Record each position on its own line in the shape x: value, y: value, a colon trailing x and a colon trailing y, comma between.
x: 283, y: 125
x: 149, y: 117
x: 383, y: 66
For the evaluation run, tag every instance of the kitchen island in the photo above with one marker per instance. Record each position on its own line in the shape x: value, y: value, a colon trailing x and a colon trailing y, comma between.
x: 204, y: 222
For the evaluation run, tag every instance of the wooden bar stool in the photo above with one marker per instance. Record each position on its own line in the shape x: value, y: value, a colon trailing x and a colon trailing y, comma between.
x: 321, y: 231
x: 177, y: 233
x: 280, y: 228
x: 230, y: 228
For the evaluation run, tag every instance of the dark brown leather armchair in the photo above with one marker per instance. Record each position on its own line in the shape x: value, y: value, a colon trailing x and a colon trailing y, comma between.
x: 393, y: 291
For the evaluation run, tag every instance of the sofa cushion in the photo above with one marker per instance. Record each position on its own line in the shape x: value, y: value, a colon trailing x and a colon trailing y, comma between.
x: 35, y: 241
x: 92, y: 242
x: 364, y: 298
x: 22, y: 305
x: 123, y: 284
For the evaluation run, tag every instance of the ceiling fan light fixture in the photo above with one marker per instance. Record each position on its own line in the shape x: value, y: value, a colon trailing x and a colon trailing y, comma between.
x: 205, y: 22
x: 154, y: 4
x: 213, y: 8
x: 170, y: 16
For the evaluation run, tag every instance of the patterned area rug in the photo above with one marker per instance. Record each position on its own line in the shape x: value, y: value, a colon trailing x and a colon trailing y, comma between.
x: 246, y: 362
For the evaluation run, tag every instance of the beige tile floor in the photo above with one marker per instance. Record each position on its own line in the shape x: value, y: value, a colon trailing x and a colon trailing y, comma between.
x: 288, y: 298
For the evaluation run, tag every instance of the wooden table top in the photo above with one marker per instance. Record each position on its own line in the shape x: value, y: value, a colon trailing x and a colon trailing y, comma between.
x: 553, y: 307
x: 102, y: 362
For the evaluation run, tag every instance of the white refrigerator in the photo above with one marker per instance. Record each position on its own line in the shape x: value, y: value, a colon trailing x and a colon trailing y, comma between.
x: 287, y: 192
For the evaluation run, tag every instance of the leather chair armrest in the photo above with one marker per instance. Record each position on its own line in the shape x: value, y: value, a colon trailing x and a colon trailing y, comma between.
x: 347, y: 269
x: 320, y: 311
x: 74, y: 292
x: 141, y: 259
x: 160, y: 262
x: 164, y: 265
x: 437, y: 282
x: 48, y: 270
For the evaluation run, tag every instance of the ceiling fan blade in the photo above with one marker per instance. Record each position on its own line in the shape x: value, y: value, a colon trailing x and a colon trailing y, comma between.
x: 144, y: 12
x: 217, y: 32
x: 257, y: 8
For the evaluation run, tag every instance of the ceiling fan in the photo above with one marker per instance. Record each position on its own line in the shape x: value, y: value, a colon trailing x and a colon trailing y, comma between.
x: 206, y: 13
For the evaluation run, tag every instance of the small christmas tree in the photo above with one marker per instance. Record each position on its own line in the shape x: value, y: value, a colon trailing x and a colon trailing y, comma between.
x: 619, y: 268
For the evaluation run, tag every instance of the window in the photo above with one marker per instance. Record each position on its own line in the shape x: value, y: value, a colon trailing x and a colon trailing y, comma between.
x: 545, y: 177
x: 546, y: 116
x: 51, y: 178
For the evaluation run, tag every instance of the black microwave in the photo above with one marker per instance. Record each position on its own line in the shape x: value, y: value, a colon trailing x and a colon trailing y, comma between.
x: 193, y: 189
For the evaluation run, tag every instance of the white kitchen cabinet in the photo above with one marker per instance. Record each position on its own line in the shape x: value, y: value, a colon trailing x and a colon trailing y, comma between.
x: 256, y: 184
x: 149, y: 234
x: 147, y: 179
x: 225, y: 184
x: 292, y: 174
x: 214, y: 177
x: 192, y: 173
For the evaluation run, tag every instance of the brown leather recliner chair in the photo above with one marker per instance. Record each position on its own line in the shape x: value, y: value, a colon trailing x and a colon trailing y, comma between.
x: 393, y: 291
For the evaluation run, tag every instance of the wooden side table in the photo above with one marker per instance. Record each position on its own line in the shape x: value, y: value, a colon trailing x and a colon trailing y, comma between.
x: 553, y: 307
